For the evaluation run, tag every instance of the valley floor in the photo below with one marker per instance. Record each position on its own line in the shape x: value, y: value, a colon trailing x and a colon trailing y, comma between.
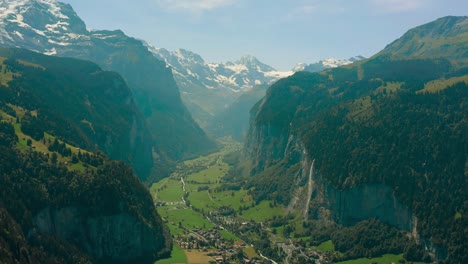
x: 212, y: 224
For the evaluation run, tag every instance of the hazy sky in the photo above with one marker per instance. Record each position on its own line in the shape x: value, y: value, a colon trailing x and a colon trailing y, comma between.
x: 280, y: 33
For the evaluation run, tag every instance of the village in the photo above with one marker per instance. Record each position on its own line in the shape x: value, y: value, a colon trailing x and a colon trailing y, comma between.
x: 293, y: 250
x: 221, y: 234
x: 215, y: 246
x: 222, y: 250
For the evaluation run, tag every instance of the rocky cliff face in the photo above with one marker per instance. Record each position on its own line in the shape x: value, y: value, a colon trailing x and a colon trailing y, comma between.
x: 266, y: 145
x: 112, y: 238
x: 270, y: 133
x: 368, y: 201
x: 51, y: 213
x: 317, y: 199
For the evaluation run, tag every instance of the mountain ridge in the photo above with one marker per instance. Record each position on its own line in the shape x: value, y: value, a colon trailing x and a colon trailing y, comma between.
x: 373, y: 123
x: 209, y: 88
x: 445, y: 36
x: 64, y: 200
x: 54, y: 28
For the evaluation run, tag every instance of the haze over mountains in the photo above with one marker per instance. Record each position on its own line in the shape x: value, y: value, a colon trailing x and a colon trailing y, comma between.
x: 366, y: 155
x: 209, y: 88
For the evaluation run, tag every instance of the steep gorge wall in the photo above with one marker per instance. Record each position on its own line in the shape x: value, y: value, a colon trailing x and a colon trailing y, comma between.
x: 313, y: 196
x: 266, y: 146
x: 367, y: 201
x: 112, y: 238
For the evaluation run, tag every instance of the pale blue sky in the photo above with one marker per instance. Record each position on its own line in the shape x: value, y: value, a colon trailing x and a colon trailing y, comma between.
x: 280, y: 33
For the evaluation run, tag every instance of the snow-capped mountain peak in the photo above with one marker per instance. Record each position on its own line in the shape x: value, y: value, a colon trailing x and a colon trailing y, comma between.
x: 42, y: 15
x: 186, y: 55
x: 48, y: 22
x: 253, y: 63
x: 357, y: 58
x: 327, y: 63
x: 333, y: 63
x: 299, y: 67
x: 191, y: 70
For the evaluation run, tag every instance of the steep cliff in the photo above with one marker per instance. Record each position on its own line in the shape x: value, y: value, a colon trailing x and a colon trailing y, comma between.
x: 109, y: 238
x: 62, y: 199
x: 78, y: 101
x: 368, y: 201
x: 53, y: 214
x: 382, y: 133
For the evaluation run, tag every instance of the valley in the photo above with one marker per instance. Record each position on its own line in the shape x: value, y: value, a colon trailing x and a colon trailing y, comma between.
x: 113, y: 150
x: 212, y: 221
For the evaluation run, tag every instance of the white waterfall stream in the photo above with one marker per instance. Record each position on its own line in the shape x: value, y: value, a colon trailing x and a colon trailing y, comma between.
x: 309, y: 190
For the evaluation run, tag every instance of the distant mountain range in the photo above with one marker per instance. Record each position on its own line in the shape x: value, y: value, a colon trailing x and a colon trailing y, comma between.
x: 210, y: 88
x: 207, y: 89
x: 191, y: 70
x: 326, y: 64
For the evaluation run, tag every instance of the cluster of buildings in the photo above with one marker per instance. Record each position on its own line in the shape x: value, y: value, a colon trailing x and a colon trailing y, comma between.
x: 218, y: 248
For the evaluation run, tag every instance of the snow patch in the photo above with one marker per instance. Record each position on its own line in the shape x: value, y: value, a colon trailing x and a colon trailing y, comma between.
x: 59, y: 25
x: 237, y: 68
x: 333, y: 63
x: 54, y: 8
x: 279, y: 74
x: 58, y: 43
x: 299, y: 67
x: 51, y: 52
x: 18, y: 34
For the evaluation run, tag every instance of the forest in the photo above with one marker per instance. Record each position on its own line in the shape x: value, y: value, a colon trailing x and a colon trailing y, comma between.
x: 375, y: 122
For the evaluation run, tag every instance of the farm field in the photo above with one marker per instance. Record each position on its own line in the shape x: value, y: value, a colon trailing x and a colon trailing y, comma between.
x: 197, y: 206
x: 177, y: 257
x: 192, y: 192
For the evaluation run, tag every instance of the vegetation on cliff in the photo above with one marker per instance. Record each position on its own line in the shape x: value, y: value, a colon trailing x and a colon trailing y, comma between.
x: 77, y: 101
x: 397, y: 119
x: 57, y: 118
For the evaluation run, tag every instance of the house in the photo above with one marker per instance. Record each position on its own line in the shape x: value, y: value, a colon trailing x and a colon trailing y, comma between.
x: 239, y: 244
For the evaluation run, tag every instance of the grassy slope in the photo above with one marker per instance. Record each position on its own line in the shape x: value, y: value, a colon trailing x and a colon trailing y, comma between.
x: 385, y: 259
x: 263, y: 212
x: 40, y: 146
x: 439, y: 85
x: 177, y: 256
x: 326, y: 246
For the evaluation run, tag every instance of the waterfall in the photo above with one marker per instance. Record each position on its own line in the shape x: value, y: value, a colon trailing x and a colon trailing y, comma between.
x: 309, y: 191
x: 183, y: 188
x: 290, y: 139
